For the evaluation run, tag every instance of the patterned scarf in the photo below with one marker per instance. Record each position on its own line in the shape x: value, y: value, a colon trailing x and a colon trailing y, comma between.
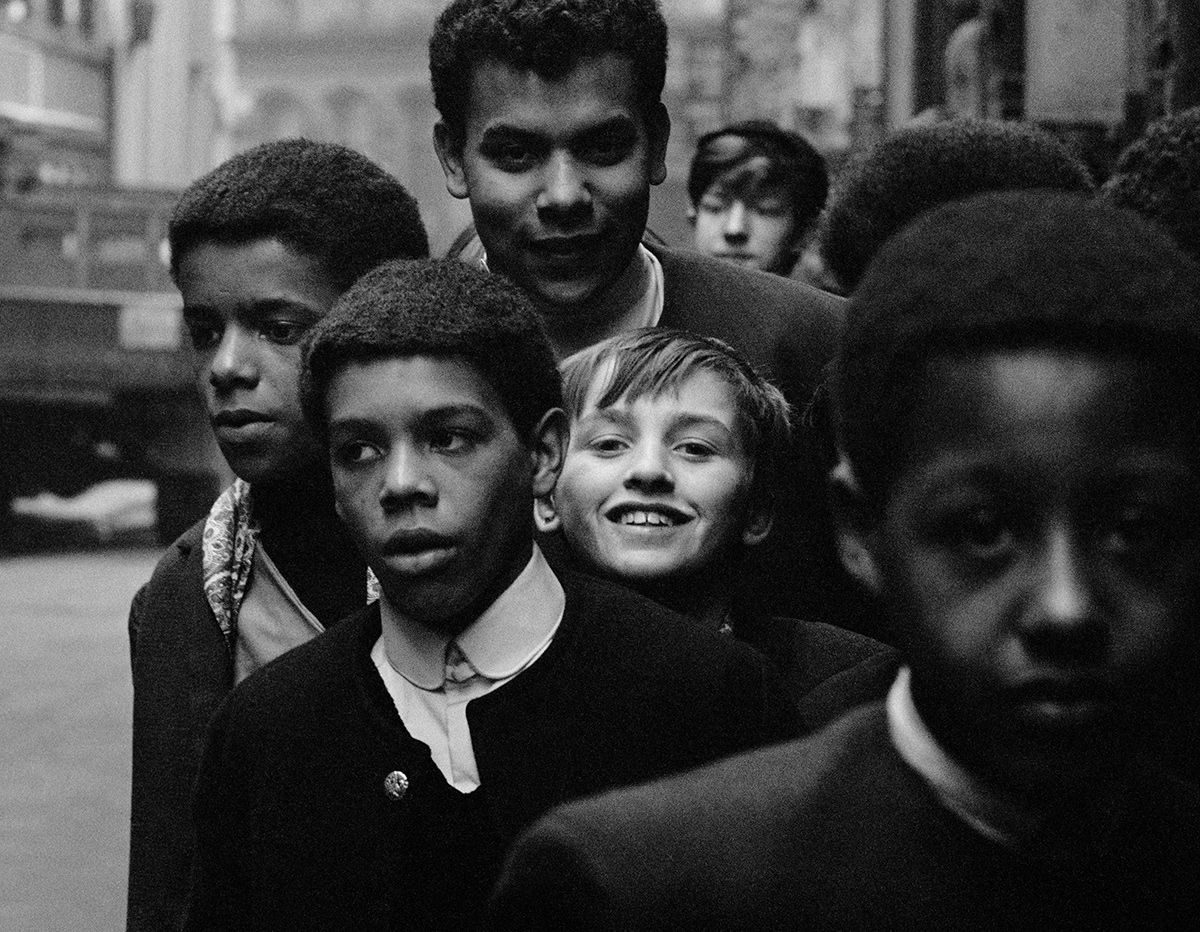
x: 227, y: 557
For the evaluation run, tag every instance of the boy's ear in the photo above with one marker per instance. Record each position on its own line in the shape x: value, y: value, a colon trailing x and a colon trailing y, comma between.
x: 658, y: 128
x: 760, y: 516
x: 449, y: 148
x: 545, y: 514
x: 548, y: 449
x: 855, y: 523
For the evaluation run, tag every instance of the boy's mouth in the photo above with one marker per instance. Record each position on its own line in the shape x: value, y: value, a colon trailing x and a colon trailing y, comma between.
x: 643, y: 516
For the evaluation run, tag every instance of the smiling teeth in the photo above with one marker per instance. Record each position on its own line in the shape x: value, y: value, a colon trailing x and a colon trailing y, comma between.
x: 652, y: 518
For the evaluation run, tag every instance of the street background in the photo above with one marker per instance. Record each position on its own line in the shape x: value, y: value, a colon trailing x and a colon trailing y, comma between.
x: 109, y: 108
x: 65, y: 701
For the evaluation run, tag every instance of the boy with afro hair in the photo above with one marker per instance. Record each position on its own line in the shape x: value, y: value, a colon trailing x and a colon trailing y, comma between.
x: 1018, y: 404
x: 916, y: 169
x: 374, y: 777
x: 553, y: 128
x: 1159, y: 177
x: 261, y: 247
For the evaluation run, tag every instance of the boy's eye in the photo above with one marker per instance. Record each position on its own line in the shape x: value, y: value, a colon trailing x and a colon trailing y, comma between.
x: 771, y: 207
x: 608, y: 444
x: 1138, y: 530
x: 204, y: 334
x: 355, y: 452
x: 510, y: 155
x: 606, y: 149
x: 695, y: 449
x: 714, y: 203
x: 283, y: 332
x: 980, y: 534
x: 451, y: 440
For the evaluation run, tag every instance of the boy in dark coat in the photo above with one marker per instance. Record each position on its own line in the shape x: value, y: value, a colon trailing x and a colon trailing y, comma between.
x: 373, y: 778
x: 260, y: 249
x: 1018, y: 405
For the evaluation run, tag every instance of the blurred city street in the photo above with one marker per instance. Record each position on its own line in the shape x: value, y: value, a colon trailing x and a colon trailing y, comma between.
x: 64, y: 737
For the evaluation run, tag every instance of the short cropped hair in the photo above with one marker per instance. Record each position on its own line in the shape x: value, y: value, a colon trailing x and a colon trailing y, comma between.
x: 918, y: 168
x: 755, y: 154
x: 547, y: 37
x: 323, y: 201
x: 1159, y: 177
x: 442, y: 308
x: 1007, y: 270
x: 649, y: 361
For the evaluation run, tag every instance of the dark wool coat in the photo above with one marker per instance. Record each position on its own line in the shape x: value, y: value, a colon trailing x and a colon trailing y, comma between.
x: 182, y: 670
x: 837, y: 832
x: 296, y: 829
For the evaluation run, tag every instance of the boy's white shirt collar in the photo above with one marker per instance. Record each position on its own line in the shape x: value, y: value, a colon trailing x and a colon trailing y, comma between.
x: 991, y: 812
x: 510, y: 634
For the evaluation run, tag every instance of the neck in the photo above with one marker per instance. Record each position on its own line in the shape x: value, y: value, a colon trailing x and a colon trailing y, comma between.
x: 301, y: 531
x: 578, y: 326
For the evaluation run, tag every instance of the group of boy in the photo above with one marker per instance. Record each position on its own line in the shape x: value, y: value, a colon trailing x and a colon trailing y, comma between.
x: 539, y: 586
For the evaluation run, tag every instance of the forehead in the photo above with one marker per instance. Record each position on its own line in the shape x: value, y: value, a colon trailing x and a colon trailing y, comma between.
x: 595, y: 90
x: 259, y: 268
x: 401, y: 386
x: 1065, y: 413
x: 701, y: 393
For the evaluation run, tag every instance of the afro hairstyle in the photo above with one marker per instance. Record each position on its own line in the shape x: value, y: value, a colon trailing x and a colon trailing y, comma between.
x: 652, y: 360
x: 1004, y: 270
x: 547, y: 37
x: 787, y: 161
x: 1159, y: 177
x: 436, y: 307
x: 920, y: 167
x: 323, y: 201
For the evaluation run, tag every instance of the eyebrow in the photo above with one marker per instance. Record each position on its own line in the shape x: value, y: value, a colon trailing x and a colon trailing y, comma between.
x: 257, y: 307
x: 441, y: 413
x: 611, y: 124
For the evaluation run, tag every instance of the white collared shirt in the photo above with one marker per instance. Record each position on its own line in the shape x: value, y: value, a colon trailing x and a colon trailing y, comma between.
x: 431, y: 677
x: 987, y: 809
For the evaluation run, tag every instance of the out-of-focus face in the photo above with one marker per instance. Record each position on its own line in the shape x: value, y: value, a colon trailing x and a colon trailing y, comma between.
x: 756, y: 229
x: 558, y: 173
x: 1040, y: 548
x: 433, y: 482
x: 246, y: 308
x: 657, y: 488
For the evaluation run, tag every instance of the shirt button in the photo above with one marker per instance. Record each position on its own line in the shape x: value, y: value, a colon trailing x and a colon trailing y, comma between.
x: 395, y: 785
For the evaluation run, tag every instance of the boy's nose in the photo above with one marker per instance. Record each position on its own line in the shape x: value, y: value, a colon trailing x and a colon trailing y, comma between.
x: 406, y: 480
x: 565, y: 188
x: 234, y: 363
x: 1064, y: 613
x: 735, y: 228
x: 649, y: 472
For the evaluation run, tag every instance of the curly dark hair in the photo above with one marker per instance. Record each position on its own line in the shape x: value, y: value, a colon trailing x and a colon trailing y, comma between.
x: 436, y: 307
x: 1005, y: 270
x: 921, y: 167
x: 547, y: 37
x: 1159, y: 177
x: 791, y: 163
x: 323, y: 201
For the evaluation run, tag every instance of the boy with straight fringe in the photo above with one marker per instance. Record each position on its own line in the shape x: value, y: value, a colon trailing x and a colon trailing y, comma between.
x: 670, y: 478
